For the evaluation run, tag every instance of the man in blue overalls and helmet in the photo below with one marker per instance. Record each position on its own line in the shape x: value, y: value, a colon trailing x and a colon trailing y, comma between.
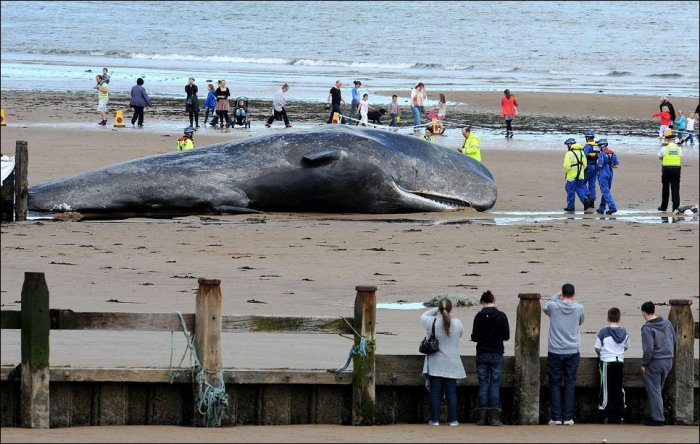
x: 591, y: 150
x: 574, y: 167
x: 607, y: 160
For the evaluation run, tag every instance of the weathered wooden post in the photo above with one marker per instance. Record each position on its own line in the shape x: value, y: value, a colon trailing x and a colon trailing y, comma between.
x: 680, y: 388
x: 363, y: 383
x: 207, y: 337
x: 21, y: 183
x: 34, y: 384
x: 527, y: 359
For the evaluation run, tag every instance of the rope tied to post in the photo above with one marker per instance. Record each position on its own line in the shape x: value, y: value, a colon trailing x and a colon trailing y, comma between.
x: 211, y: 400
x: 356, y: 350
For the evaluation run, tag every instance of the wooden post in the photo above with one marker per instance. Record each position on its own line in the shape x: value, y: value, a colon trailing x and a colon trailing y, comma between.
x: 207, y: 336
x: 21, y: 183
x: 34, y: 385
x: 680, y: 389
x: 527, y: 360
x: 364, y: 370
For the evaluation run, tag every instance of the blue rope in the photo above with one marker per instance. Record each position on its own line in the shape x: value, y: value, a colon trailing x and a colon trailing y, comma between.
x: 356, y: 350
x: 211, y: 401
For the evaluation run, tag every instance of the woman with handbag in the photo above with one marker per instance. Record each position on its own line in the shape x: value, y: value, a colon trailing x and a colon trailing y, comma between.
x: 444, y: 367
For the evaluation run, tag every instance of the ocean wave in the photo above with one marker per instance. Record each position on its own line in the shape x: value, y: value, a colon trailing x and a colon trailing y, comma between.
x: 506, y: 69
x: 619, y: 73
x: 592, y: 73
x: 666, y: 75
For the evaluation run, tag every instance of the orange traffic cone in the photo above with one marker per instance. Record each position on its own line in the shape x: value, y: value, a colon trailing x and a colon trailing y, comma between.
x: 336, y: 118
x: 2, y: 117
x: 119, y: 119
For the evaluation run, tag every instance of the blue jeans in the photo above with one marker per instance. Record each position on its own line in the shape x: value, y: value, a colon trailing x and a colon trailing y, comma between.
x: 437, y: 384
x: 562, y: 366
x: 417, y: 111
x: 353, y: 110
x: 489, y: 367
x: 393, y: 119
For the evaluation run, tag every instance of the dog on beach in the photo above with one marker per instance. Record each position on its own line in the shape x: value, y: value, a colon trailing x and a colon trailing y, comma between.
x: 376, y: 116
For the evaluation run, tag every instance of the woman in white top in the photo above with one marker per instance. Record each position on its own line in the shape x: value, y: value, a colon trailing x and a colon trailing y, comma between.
x: 443, y: 367
x: 363, y: 108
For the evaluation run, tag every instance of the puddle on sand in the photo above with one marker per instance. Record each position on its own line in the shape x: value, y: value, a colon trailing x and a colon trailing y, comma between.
x: 401, y: 305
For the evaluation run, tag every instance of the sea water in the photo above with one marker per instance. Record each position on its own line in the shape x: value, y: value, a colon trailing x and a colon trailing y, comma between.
x: 607, y: 47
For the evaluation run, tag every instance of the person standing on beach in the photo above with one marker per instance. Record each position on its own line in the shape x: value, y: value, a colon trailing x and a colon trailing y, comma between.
x: 394, y: 111
x: 471, y: 145
x: 591, y: 151
x: 209, y: 104
x: 611, y: 342
x: 658, y: 344
x: 335, y: 101
x: 102, y: 98
x: 355, y: 92
x: 139, y: 100
x: 508, y: 111
x: 690, y: 123
x: 664, y: 122
x: 670, y: 155
x: 192, y: 102
x: 574, y: 167
x: 489, y: 331
x: 363, y: 110
x: 681, y: 125
x: 418, y: 97
x: 278, y: 111
x: 563, y: 352
x: 607, y: 160
x: 222, y: 104
x: 444, y: 367
x: 663, y: 102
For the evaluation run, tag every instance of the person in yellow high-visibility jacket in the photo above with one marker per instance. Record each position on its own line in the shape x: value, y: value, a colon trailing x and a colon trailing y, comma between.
x: 670, y: 155
x: 472, y: 144
x: 574, y: 166
x: 186, y: 142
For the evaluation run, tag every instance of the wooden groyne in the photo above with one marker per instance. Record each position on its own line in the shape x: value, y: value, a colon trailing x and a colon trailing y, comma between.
x: 380, y: 388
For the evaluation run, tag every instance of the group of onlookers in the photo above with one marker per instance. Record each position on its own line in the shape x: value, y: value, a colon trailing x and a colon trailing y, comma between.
x: 490, y: 329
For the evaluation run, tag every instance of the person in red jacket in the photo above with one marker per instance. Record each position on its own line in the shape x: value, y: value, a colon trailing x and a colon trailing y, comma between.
x: 665, y: 120
x: 508, y: 111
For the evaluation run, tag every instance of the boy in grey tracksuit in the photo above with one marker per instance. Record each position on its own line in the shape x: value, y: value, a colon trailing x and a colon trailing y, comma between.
x: 658, y: 341
x: 565, y: 317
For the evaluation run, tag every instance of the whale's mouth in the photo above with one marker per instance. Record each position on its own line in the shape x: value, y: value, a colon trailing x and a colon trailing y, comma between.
x: 441, y: 199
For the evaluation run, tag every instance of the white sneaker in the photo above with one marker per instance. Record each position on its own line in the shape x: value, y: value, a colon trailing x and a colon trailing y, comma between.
x: 553, y: 422
x: 433, y: 423
x: 454, y: 424
x: 569, y: 422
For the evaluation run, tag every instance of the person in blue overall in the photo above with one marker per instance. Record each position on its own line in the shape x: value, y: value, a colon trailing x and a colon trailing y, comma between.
x: 591, y: 150
x: 574, y: 167
x: 607, y: 160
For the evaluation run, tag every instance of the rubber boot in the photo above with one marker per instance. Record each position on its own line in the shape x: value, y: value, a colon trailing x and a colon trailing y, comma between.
x: 481, y: 418
x: 495, y: 417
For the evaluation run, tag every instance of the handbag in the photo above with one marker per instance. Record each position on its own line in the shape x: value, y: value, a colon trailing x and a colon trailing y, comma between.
x: 429, y: 344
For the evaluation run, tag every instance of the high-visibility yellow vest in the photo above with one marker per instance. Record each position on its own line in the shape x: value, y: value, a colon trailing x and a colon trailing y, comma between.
x: 472, y: 146
x: 672, y: 155
x: 185, y: 143
x: 575, y: 163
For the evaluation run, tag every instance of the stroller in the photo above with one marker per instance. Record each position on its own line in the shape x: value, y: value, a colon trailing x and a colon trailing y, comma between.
x: 240, y: 113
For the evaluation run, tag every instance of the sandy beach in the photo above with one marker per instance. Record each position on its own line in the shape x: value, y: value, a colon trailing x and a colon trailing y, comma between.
x: 309, y: 264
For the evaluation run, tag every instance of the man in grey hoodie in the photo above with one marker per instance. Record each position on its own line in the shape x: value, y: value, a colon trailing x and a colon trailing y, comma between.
x: 658, y: 341
x: 563, y: 356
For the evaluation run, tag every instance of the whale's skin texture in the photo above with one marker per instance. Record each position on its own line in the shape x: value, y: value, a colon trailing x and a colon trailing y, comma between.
x: 331, y: 169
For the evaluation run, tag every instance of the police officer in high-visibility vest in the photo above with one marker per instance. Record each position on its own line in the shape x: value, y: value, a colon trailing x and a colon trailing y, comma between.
x: 670, y: 155
x: 186, y: 142
x: 574, y: 167
x: 471, y: 145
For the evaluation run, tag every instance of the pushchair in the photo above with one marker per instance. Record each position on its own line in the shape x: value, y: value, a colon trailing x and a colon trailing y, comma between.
x: 240, y: 113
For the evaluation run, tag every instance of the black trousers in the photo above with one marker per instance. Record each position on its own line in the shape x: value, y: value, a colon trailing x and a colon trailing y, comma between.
x: 277, y: 115
x: 138, y: 115
x: 611, y: 394
x: 671, y: 178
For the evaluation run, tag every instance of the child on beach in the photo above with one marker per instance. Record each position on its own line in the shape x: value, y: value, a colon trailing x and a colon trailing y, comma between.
x: 209, y: 104
x: 362, y: 109
x: 394, y: 110
x: 610, y: 346
x: 105, y: 75
x: 690, y: 123
x: 664, y: 121
x: 680, y: 125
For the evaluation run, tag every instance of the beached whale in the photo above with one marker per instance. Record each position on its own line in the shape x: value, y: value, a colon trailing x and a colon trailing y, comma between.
x: 331, y: 169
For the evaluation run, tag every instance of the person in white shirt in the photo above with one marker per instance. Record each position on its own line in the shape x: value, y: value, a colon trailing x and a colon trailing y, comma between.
x: 610, y: 346
x: 278, y: 111
x: 363, y: 108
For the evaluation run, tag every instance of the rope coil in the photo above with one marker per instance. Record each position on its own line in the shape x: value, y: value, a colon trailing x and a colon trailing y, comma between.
x: 211, y: 401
